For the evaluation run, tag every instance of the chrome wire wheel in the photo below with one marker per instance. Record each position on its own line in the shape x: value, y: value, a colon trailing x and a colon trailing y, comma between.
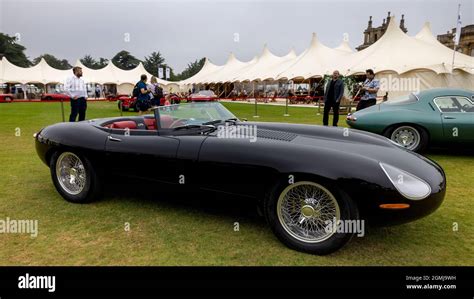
x: 406, y: 136
x: 304, y: 209
x: 70, y: 173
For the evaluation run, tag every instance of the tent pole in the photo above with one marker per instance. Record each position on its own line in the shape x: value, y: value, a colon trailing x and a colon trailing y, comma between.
x: 62, y: 109
x: 454, y: 46
x: 255, y: 98
x: 286, y: 105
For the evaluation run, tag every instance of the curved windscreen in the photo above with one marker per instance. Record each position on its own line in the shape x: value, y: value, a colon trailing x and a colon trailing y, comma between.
x: 407, y: 99
x: 194, y: 113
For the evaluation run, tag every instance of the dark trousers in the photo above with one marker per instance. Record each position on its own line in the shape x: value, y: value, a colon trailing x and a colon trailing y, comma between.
x: 335, y: 110
x: 78, y: 106
x: 366, y: 103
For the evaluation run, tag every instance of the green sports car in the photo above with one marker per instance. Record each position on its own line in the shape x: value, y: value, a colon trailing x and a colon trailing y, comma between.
x: 439, y: 117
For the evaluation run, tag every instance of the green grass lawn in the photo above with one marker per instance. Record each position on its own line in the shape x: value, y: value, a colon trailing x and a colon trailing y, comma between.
x: 165, y: 232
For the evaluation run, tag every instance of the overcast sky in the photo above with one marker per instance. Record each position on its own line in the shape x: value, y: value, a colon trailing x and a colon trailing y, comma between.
x: 186, y: 30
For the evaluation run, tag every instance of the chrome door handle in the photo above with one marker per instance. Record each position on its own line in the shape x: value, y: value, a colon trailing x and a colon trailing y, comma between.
x: 449, y: 117
x: 114, y: 139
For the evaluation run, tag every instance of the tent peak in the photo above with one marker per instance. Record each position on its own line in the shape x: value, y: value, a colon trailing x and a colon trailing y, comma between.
x: 314, y: 39
x: 292, y: 53
x: 392, y: 25
x: 344, y: 45
x: 266, y: 51
x: 425, y: 31
x: 231, y: 57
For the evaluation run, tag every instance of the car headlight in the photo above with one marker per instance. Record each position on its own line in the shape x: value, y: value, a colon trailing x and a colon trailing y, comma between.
x: 407, y: 184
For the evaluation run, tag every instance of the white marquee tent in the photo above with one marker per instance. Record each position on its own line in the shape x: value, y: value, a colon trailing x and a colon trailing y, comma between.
x: 43, y: 73
x: 421, y: 59
x: 396, y: 55
x: 266, y: 67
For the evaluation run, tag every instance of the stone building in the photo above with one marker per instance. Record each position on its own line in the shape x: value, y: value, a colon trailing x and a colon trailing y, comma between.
x: 466, y: 41
x: 372, y: 34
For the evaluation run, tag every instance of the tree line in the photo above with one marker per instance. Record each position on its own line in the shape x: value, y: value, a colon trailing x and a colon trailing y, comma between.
x: 15, y: 53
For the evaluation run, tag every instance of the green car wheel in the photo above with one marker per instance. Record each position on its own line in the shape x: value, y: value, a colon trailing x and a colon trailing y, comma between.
x: 410, y: 137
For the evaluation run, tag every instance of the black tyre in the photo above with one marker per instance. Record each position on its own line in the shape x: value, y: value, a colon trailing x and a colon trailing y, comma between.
x: 74, y: 177
x: 303, y: 223
x: 409, y: 136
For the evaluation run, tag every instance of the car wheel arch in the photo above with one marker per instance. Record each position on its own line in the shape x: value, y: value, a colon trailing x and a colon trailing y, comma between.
x: 283, y: 180
x: 78, y: 151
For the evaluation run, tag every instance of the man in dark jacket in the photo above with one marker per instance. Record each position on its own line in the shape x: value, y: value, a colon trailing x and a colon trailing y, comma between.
x: 332, y: 98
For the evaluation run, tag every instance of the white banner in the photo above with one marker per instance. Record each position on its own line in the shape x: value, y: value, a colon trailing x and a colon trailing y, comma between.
x: 160, y: 72
x: 458, y: 27
x: 168, y: 72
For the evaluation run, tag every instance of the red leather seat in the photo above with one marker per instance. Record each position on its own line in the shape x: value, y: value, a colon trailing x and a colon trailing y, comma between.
x: 150, y: 123
x: 124, y: 125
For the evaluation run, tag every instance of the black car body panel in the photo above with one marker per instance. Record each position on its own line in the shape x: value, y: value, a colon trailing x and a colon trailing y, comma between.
x: 347, y: 158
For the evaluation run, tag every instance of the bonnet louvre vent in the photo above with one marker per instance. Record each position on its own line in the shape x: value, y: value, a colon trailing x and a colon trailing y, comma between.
x: 276, y: 135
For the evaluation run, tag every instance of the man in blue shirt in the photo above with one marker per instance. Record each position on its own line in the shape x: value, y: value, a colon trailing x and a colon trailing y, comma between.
x: 370, y: 88
x: 143, y: 99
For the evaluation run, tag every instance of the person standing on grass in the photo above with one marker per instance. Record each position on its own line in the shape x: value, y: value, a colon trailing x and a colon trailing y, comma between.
x: 332, y: 98
x: 97, y: 91
x: 76, y: 89
x: 143, y: 98
x: 370, y: 88
x: 156, y: 92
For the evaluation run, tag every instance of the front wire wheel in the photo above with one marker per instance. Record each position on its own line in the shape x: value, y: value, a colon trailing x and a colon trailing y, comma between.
x: 305, y: 216
x: 304, y: 209
x: 74, y: 177
x: 71, y: 173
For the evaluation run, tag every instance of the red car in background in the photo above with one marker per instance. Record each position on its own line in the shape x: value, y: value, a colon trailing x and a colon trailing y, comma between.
x: 172, y: 98
x: 202, y: 96
x: 6, y: 98
x: 127, y: 103
x: 55, y: 97
x: 115, y: 97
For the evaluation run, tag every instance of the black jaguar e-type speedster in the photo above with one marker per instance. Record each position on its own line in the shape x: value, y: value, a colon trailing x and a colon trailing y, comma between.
x: 307, y: 179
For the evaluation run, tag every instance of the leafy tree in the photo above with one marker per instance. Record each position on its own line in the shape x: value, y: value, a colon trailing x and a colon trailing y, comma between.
x: 13, y: 51
x: 92, y: 63
x: 125, y: 60
x: 192, y: 69
x: 152, y: 62
x: 102, y: 63
x: 60, y: 64
x: 88, y: 61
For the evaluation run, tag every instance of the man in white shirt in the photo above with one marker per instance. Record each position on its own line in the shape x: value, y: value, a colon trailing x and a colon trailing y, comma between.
x: 77, y: 90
